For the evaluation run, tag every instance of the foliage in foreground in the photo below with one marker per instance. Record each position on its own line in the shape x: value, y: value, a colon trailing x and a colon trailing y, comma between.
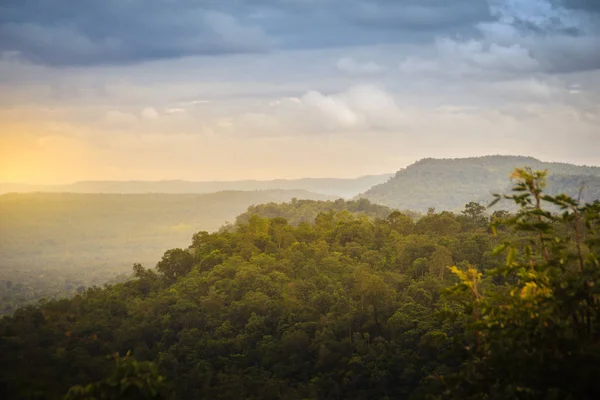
x: 537, y: 333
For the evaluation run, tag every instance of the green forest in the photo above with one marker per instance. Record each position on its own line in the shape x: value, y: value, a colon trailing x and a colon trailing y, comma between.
x: 299, y: 211
x: 337, y: 300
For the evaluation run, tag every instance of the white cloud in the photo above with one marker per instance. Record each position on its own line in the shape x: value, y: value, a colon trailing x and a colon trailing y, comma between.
x: 332, y: 107
x: 195, y: 102
x: 174, y: 110
x: 359, y: 107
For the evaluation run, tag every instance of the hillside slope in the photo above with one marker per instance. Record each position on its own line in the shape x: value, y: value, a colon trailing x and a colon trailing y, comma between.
x: 448, y: 184
x: 52, y: 243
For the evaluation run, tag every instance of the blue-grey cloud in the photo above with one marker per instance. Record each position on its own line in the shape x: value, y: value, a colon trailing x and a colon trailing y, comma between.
x: 563, y: 35
x: 93, y: 32
x: 585, y: 5
x: 66, y: 32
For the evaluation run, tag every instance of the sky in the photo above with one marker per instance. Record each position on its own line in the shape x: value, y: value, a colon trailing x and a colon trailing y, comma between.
x: 262, y: 89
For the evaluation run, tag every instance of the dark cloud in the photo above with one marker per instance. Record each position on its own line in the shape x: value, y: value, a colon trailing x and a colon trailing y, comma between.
x: 72, y: 32
x: 69, y: 32
x: 585, y: 5
x: 434, y: 15
x: 92, y: 32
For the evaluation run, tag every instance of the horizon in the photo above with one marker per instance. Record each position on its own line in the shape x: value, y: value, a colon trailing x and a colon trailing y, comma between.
x: 325, y: 177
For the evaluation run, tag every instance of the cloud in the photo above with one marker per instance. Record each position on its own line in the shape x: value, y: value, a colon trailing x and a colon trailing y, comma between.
x: 150, y: 113
x: 489, y: 77
x: 333, y: 108
x: 114, y: 32
x: 312, y: 114
x: 530, y: 89
x: 351, y: 66
x: 175, y: 110
x: 524, y: 36
x: 415, y: 14
x: 560, y: 34
x: 364, y: 107
x: 472, y: 58
x: 534, y: 15
x: 115, y: 117
x: 492, y: 56
x: 416, y: 65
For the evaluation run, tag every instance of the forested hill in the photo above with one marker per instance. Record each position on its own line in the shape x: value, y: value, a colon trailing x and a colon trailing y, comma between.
x: 338, y: 187
x: 305, y: 211
x: 53, y: 243
x: 448, y: 184
x: 346, y: 307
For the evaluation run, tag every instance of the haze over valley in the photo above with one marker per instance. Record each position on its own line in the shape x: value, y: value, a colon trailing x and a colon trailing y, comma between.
x: 334, y: 187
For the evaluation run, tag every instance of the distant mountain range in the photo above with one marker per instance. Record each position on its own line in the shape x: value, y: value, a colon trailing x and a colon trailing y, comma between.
x: 448, y: 184
x: 445, y: 184
x: 328, y: 186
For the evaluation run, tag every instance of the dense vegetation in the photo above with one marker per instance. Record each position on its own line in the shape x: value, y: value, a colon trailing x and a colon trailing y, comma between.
x: 346, y: 307
x: 330, y: 186
x: 534, y: 322
x: 267, y: 311
x: 448, y: 184
x: 299, y: 211
x: 54, y: 244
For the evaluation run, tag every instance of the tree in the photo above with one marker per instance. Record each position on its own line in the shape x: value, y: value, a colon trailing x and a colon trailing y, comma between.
x: 128, y: 380
x: 474, y: 216
x: 441, y: 259
x: 537, y: 335
x: 401, y: 223
x: 175, y: 263
x: 443, y: 224
x: 474, y: 211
